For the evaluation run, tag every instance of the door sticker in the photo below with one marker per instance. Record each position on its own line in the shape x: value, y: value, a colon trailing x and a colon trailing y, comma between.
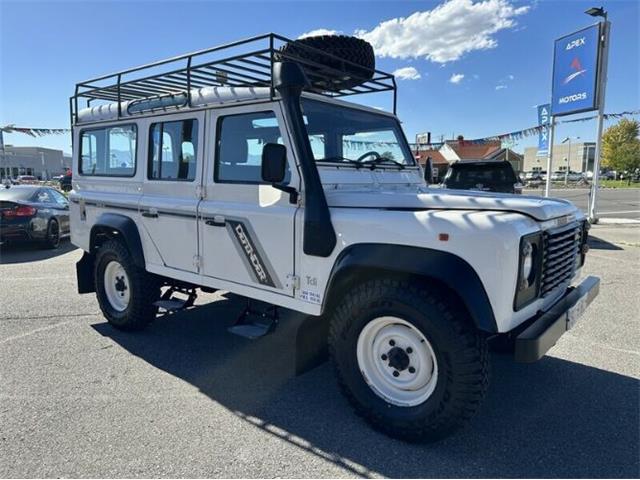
x: 251, y: 252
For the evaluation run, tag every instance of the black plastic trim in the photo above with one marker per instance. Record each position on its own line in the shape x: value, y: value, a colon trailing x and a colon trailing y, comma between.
x: 128, y: 230
x: 542, y: 332
x: 355, y: 263
x: 84, y: 273
x: 522, y: 298
x: 319, y: 237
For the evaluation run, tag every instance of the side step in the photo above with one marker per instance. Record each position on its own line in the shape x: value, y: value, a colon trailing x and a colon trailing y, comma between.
x: 172, y: 304
x: 255, y: 323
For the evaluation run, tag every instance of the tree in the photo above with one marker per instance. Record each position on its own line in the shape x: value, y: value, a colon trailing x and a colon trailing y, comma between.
x: 621, y: 146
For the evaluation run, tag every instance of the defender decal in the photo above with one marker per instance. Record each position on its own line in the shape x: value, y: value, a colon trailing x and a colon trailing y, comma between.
x: 251, y: 253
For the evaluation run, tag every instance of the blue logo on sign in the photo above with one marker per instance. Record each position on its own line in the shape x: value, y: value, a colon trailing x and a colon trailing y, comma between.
x: 575, y: 72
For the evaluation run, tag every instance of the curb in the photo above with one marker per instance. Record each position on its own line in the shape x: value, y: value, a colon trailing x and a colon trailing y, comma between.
x: 618, y: 221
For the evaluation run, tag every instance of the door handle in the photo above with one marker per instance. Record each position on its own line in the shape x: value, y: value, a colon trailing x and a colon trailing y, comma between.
x: 150, y: 214
x: 217, y: 221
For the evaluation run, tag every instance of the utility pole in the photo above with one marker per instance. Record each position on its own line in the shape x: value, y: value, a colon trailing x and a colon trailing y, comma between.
x: 3, y: 162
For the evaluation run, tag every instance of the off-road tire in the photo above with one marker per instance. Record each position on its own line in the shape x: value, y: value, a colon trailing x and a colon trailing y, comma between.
x: 145, y: 289
x: 52, y: 238
x: 461, y: 352
x: 351, y: 49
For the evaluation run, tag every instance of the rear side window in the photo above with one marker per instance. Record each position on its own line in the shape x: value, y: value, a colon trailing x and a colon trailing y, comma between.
x: 173, y: 150
x: 109, y: 151
x: 239, y: 146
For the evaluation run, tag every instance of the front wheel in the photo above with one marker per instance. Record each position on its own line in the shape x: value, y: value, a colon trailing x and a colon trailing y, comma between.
x: 408, y: 359
x: 125, y: 292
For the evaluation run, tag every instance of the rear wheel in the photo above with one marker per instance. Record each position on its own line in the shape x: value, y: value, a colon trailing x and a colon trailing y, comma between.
x: 125, y: 292
x: 52, y: 240
x: 408, y: 359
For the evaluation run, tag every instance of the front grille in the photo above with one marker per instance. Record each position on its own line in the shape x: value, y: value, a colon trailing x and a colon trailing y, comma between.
x: 560, y: 250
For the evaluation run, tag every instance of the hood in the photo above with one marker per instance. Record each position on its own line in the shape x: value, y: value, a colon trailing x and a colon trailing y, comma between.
x: 539, y: 208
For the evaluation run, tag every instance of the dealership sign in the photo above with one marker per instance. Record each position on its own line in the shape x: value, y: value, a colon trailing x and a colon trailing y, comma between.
x: 544, y: 112
x: 575, y: 72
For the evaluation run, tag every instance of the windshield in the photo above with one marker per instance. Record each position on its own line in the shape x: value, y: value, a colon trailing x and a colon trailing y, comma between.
x: 469, y: 175
x: 346, y: 135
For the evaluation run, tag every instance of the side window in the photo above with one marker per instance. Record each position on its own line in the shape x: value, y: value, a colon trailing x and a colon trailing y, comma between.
x: 59, y: 198
x: 239, y: 146
x: 43, y: 196
x: 109, y: 151
x: 173, y: 150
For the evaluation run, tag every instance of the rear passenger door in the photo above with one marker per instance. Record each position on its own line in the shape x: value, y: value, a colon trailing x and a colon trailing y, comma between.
x: 171, y: 187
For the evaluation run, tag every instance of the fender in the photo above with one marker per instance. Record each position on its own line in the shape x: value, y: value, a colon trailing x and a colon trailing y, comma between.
x: 447, y: 268
x: 128, y: 230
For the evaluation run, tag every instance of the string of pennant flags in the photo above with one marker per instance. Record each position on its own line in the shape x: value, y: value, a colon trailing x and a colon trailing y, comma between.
x: 528, y: 132
x: 505, y: 137
x: 34, y: 132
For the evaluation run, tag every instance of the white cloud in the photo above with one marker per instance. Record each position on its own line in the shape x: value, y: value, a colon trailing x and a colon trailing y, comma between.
x: 407, y: 73
x: 501, y: 83
x: 445, y: 33
x: 319, y: 31
x: 456, y: 78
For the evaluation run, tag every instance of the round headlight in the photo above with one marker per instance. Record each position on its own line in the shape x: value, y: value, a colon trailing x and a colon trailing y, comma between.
x: 527, y: 262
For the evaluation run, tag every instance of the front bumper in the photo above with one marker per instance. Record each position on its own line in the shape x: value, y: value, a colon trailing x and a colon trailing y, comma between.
x: 543, y: 331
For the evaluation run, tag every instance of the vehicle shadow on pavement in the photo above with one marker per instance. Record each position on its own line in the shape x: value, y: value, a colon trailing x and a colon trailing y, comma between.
x: 554, y: 418
x: 599, y: 244
x: 32, y: 252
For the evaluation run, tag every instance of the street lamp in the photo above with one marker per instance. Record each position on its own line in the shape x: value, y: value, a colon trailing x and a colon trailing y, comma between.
x: 568, y: 158
x: 597, y: 12
x: 602, y: 75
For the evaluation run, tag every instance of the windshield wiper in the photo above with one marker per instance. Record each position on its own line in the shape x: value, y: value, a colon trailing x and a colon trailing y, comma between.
x: 338, y: 159
x: 379, y: 160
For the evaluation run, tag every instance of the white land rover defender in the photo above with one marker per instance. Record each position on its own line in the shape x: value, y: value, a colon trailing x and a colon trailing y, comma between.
x: 237, y: 168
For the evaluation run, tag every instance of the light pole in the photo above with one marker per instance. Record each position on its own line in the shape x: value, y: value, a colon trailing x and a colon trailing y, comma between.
x: 604, y: 58
x: 568, y: 158
x: 44, y: 172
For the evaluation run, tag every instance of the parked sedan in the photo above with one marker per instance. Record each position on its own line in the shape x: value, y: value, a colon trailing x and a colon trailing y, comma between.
x: 33, y: 213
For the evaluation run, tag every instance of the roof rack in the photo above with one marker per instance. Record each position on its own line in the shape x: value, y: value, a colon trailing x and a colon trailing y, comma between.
x: 244, y: 63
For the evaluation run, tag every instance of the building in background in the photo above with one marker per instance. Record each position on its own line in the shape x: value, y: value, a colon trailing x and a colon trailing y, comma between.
x: 438, y: 162
x: 577, y: 156
x: 460, y: 149
x: 40, y: 162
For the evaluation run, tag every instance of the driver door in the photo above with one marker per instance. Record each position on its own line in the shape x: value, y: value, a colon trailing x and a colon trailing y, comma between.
x: 246, y: 226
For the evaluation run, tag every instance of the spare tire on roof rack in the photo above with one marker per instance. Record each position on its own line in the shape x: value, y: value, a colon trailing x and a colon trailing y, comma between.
x: 349, y: 63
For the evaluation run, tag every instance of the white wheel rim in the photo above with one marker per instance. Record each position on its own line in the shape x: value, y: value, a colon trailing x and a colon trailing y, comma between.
x: 390, y: 344
x: 117, y: 286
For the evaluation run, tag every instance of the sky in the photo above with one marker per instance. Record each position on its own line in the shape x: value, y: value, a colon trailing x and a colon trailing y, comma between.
x: 464, y: 67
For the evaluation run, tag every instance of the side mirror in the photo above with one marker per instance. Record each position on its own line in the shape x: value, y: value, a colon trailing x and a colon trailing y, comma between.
x: 274, y: 162
x: 428, y: 171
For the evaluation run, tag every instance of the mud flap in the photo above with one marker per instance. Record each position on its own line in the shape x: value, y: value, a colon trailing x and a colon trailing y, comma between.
x: 312, y: 348
x: 84, y: 274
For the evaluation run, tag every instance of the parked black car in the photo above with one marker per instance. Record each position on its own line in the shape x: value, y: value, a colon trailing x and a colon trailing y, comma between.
x: 487, y: 176
x: 33, y: 213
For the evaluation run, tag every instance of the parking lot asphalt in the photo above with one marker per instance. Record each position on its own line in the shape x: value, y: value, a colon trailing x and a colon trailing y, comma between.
x: 186, y: 398
x: 612, y: 202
